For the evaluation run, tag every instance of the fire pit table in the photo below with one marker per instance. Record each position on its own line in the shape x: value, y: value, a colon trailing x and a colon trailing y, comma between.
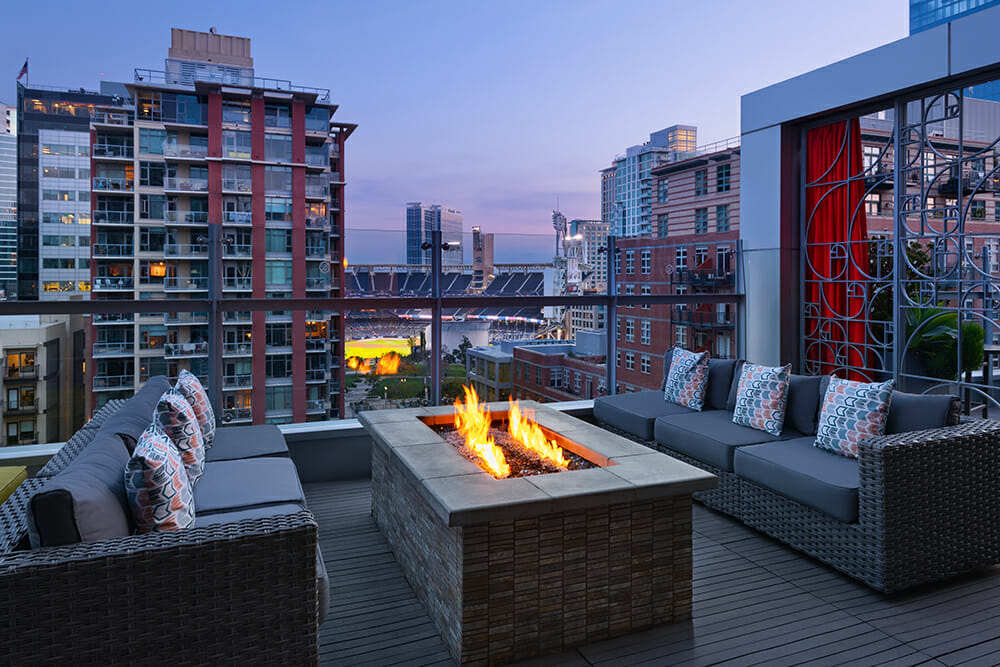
x: 520, y: 567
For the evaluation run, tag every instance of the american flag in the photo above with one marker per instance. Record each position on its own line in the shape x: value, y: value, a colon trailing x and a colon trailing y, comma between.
x: 24, y: 70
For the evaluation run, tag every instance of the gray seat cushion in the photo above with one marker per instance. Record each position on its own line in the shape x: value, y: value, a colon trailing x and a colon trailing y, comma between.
x: 711, y: 436
x: 915, y: 412
x: 635, y: 413
x: 86, y: 501
x: 132, y: 418
x: 805, y: 473
x: 232, y: 485
x: 262, y: 512
x: 245, y: 442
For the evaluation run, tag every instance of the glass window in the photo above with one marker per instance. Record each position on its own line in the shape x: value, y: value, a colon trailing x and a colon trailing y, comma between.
x: 278, y: 272
x: 701, y: 221
x: 277, y: 116
x: 663, y: 191
x: 151, y: 141
x: 644, y: 364
x: 278, y: 180
x: 681, y: 259
x: 700, y: 182
x: 722, y: 218
x: 278, y: 147
x: 722, y: 178
x: 278, y: 398
x: 278, y: 209
x: 645, y: 329
x: 236, y: 144
x: 152, y: 173
x: 630, y: 261
x: 152, y: 206
x: 234, y: 111
x: 278, y: 240
x: 663, y: 224
x: 646, y: 261
x: 318, y: 119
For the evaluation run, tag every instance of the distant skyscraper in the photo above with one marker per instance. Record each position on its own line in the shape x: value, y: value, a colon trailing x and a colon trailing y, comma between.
x: 482, y: 260
x: 633, y: 178
x: 925, y: 14
x: 421, y: 220
x: 608, y: 194
x: 8, y: 202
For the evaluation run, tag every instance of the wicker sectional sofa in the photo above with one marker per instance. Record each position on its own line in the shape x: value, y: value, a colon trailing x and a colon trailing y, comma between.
x: 919, y: 504
x: 246, y: 583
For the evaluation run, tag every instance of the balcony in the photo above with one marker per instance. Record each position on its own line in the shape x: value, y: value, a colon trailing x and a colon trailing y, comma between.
x: 113, y: 250
x: 106, y: 217
x: 237, y: 349
x: 184, y: 350
x: 315, y: 345
x: 320, y: 161
x: 314, y: 283
x: 237, y: 415
x: 334, y: 204
x: 197, y: 250
x: 194, y: 284
x: 231, y: 317
x: 180, y: 218
x: 315, y: 406
x: 315, y: 251
x: 333, y: 388
x: 317, y: 222
x: 113, y: 284
x: 181, y: 185
x: 316, y: 375
x: 238, y: 381
x: 241, y: 185
x: 185, y: 318
x: 241, y: 283
x: 317, y: 191
x: 237, y: 217
x: 106, y: 382
x: 237, y: 250
x: 185, y: 151
x: 112, y: 152
x: 115, y: 349
x: 335, y: 178
x: 112, y: 118
x: 115, y: 185
x: 113, y: 318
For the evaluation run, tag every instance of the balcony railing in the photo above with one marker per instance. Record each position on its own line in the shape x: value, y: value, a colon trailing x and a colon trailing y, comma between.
x: 113, y: 381
x: 117, y: 118
x: 185, y: 318
x: 186, y: 217
x: 238, y: 250
x: 175, y: 283
x: 185, y: 184
x: 113, y: 348
x: 335, y: 177
x: 113, y: 249
x: 113, y: 283
x: 113, y: 184
x: 238, y: 217
x: 318, y: 160
x: 113, y: 318
x: 238, y: 283
x: 179, y: 350
x: 185, y: 151
x: 316, y: 375
x: 315, y: 251
x: 237, y: 415
x: 101, y: 217
x: 112, y: 151
x: 237, y: 349
x: 334, y: 204
x: 237, y: 185
x: 318, y: 283
x: 239, y: 381
x: 185, y: 250
x: 317, y: 222
x: 315, y: 406
x: 315, y: 345
x: 232, y: 317
x: 317, y: 191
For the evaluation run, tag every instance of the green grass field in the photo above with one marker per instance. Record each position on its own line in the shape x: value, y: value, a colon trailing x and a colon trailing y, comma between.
x: 376, y: 347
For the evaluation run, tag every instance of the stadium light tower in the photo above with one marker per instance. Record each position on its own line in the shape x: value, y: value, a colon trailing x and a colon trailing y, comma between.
x: 561, y: 226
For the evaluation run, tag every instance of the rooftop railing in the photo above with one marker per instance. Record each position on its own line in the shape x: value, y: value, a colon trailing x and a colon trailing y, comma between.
x: 149, y: 76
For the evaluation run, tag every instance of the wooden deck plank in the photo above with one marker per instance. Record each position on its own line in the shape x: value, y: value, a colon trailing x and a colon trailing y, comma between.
x: 756, y: 602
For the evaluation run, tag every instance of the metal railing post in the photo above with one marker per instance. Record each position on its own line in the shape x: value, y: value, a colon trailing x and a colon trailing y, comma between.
x: 612, y: 369
x: 215, y: 319
x: 437, y: 348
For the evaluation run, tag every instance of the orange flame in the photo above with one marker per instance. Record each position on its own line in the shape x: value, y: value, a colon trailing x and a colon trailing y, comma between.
x: 358, y: 364
x: 473, y: 421
x: 530, y: 435
x: 388, y: 364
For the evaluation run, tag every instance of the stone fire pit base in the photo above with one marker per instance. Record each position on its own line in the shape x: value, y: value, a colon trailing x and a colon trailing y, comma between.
x: 515, y: 568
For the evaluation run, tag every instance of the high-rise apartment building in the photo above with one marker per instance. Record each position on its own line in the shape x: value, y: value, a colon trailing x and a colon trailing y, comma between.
x: 633, y: 178
x: 54, y: 191
x: 215, y: 183
x: 608, y: 194
x: 421, y: 221
x: 8, y: 202
x: 593, y: 240
x: 925, y: 14
x: 482, y: 260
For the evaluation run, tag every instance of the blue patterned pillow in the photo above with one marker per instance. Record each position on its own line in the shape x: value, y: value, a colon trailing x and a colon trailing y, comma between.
x: 157, y: 487
x: 177, y: 419
x: 687, y: 379
x: 761, y: 397
x: 852, y: 412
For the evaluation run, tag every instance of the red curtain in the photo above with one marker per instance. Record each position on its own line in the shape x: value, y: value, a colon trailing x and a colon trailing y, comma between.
x: 837, y: 251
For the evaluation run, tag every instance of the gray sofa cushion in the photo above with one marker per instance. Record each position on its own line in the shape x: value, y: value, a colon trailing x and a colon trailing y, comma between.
x: 86, y: 501
x: 668, y: 356
x: 634, y: 413
x: 802, y: 405
x: 915, y: 412
x: 711, y: 436
x: 132, y: 418
x: 734, y: 388
x: 720, y: 382
x: 809, y: 475
x: 245, y: 442
x: 230, y: 485
x: 262, y: 512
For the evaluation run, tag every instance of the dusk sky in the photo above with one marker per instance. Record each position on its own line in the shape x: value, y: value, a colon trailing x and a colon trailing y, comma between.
x: 496, y: 108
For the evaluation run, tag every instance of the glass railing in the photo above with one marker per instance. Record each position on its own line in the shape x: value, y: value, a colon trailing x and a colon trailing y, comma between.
x: 119, y: 118
x: 238, y: 283
x: 195, y: 283
x: 113, y: 283
x: 112, y: 150
x: 237, y: 217
x: 105, y: 217
x: 185, y: 250
x: 237, y: 185
x: 185, y: 184
x: 113, y: 184
x: 185, y: 151
x: 186, y: 217
x: 113, y: 249
x: 185, y: 349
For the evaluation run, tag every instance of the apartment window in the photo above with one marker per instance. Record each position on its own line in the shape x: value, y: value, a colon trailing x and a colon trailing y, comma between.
x: 278, y: 398
x: 278, y: 147
x: 57, y: 263
x: 630, y: 261
x: 51, y: 240
x: 701, y: 221
x: 236, y: 145
x: 645, y: 290
x: 700, y: 182
x: 618, y: 261
x: 59, y: 172
x: 723, y: 260
x: 152, y: 173
x: 576, y: 383
x: 618, y: 358
x: 681, y: 259
x: 555, y: 377
x: 630, y: 361
x: 58, y: 195
x: 646, y: 262
x: 873, y: 205
x: 277, y: 273
x: 278, y: 209
x: 152, y: 207
x: 681, y: 336
x: 644, y: 364
x: 278, y: 180
x: 618, y: 328
x: 722, y: 218
x: 278, y: 334
x: 700, y: 256
x: 978, y: 209
x: 20, y: 364
x: 538, y: 375
x: 645, y: 332
x: 278, y: 365
x: 278, y: 240
x: 317, y: 120
x: 235, y: 112
x: 277, y: 116
x: 722, y: 178
x: 151, y: 141
x: 662, y: 225
x: 663, y: 191
x: 630, y: 331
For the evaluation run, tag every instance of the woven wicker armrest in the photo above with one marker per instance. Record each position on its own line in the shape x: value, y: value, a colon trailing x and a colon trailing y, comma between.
x: 932, y: 498
x: 245, y: 590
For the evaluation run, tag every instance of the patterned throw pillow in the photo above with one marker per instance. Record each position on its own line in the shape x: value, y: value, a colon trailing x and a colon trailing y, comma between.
x: 190, y: 386
x: 761, y: 397
x: 176, y: 417
x: 852, y: 412
x: 156, y: 485
x: 687, y: 379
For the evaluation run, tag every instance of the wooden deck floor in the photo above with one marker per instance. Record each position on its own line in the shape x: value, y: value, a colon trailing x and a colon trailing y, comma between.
x: 755, y: 602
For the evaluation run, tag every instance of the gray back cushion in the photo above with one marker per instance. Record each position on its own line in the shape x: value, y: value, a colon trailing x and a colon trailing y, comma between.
x: 668, y: 356
x: 915, y: 412
x: 803, y: 402
x: 734, y: 389
x: 720, y: 379
x: 137, y: 413
x: 86, y: 501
